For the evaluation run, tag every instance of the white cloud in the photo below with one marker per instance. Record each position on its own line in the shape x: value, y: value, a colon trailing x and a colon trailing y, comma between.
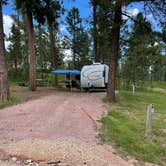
x: 68, y: 55
x: 63, y: 28
x: 150, y: 16
x: 7, y: 21
x: 156, y: 44
x: 134, y: 12
x: 7, y: 24
x: 130, y: 12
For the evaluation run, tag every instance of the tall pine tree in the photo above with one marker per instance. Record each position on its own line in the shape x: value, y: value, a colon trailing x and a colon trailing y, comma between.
x: 4, y: 86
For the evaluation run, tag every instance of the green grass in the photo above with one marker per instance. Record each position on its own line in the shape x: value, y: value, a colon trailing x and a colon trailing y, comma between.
x: 124, y: 126
x: 161, y: 84
x: 50, y: 78
x: 13, y: 100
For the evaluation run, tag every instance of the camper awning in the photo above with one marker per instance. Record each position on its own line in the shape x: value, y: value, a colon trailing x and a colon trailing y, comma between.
x: 66, y: 72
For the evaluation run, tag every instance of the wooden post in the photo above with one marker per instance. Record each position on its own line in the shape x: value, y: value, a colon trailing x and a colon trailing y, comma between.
x: 70, y: 83
x: 150, y: 111
x: 133, y: 88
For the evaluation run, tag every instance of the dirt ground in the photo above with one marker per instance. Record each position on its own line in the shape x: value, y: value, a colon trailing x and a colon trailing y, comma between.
x: 55, y: 126
x: 23, y: 94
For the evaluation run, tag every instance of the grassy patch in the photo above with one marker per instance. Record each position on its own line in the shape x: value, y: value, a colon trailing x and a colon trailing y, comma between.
x: 124, y: 126
x: 161, y: 84
x: 13, y: 100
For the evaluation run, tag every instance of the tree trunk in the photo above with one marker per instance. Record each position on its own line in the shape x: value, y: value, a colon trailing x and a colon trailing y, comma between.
x: 16, y: 63
x: 31, y: 47
x: 4, y: 85
x: 165, y: 67
x: 74, y: 51
x: 114, y: 51
x: 95, y: 40
x: 164, y: 73
x: 54, y: 55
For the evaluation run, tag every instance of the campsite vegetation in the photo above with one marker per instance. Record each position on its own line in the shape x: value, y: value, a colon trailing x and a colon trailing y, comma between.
x: 133, y: 48
x: 124, y: 126
x: 108, y: 39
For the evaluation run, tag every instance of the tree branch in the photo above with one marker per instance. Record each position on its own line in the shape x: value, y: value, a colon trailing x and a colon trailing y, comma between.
x: 125, y: 14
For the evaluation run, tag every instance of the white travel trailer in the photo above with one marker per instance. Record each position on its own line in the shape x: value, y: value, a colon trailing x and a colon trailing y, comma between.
x: 94, y: 76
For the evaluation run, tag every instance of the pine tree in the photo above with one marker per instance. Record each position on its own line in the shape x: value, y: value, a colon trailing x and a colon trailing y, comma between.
x: 43, y: 50
x: 30, y: 8
x: 4, y: 86
x: 95, y: 30
x: 15, y: 47
x: 53, y: 10
x: 79, y: 37
x: 115, y: 32
x: 138, y: 54
x: 158, y: 7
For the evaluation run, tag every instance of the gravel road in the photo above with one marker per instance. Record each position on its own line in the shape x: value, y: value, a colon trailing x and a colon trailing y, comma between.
x: 57, y: 127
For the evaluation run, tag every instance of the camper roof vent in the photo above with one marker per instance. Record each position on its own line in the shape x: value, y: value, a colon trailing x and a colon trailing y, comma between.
x: 97, y: 63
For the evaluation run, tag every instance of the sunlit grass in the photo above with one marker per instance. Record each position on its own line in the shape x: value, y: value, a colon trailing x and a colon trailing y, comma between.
x: 124, y: 126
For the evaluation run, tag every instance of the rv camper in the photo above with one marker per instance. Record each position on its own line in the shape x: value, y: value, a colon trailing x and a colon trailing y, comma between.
x: 94, y: 76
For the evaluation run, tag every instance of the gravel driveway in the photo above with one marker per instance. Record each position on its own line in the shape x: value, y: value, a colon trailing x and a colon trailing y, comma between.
x: 57, y: 127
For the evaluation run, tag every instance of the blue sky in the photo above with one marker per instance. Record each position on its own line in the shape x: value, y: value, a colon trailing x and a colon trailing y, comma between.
x: 85, y: 12
x: 7, y: 9
x: 83, y: 5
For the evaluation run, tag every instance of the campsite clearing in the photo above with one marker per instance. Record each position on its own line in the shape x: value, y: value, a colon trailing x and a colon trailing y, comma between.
x: 58, y: 126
